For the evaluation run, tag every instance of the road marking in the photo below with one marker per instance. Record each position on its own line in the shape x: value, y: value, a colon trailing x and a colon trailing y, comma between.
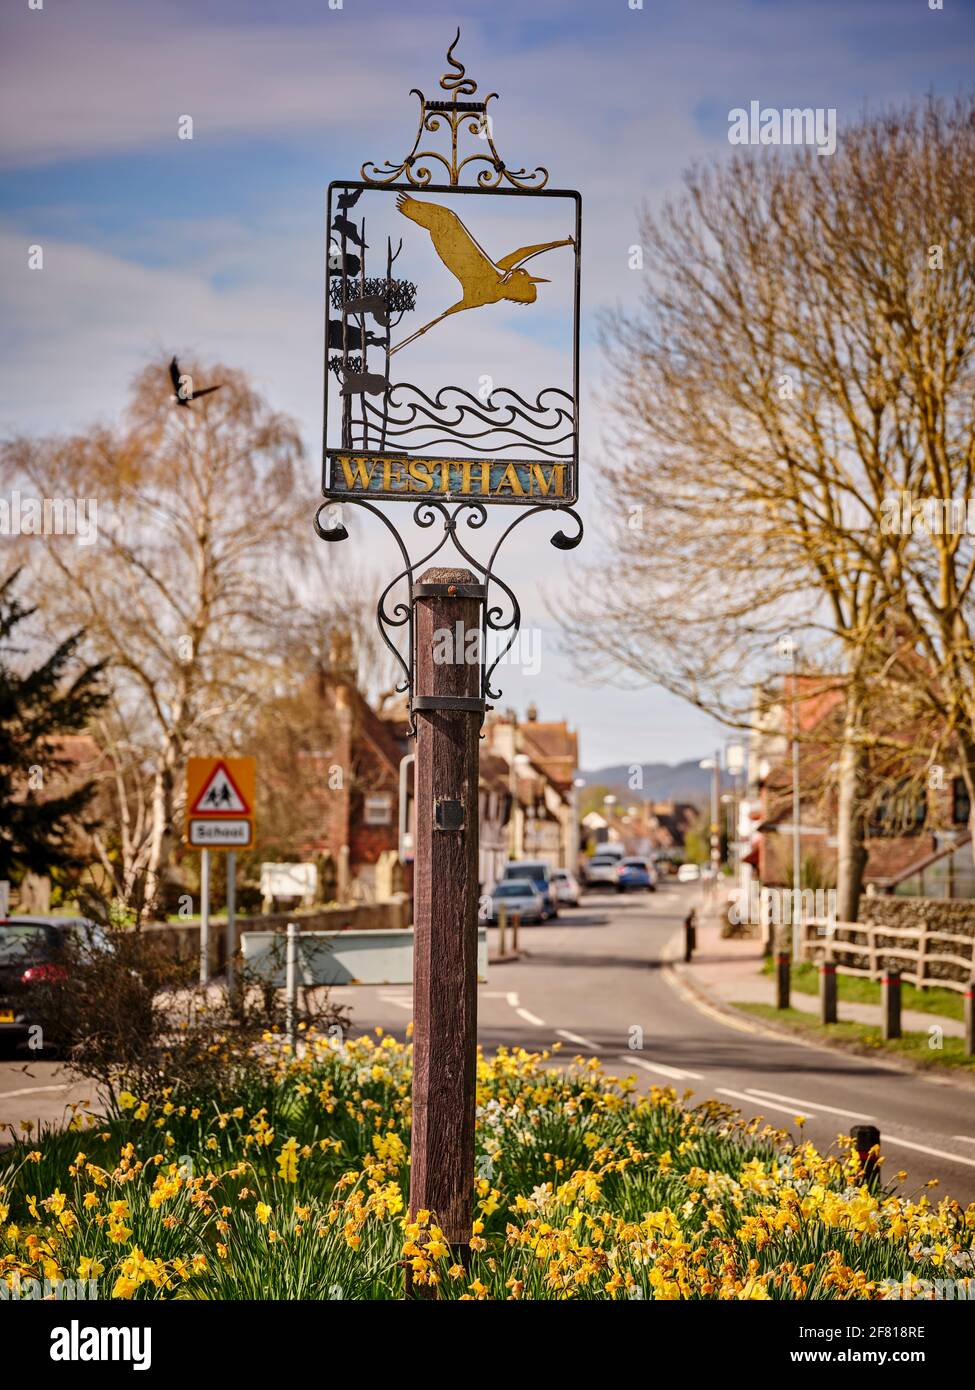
x: 531, y: 1018
x: 675, y: 1073
x: 750, y: 1100
x: 33, y: 1090
x: 886, y: 1139
x: 965, y: 1138
x: 399, y: 1000
x: 811, y: 1105
x: 577, y: 1038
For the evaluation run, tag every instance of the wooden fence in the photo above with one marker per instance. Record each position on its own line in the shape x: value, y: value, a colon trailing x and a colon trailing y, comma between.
x: 925, y: 955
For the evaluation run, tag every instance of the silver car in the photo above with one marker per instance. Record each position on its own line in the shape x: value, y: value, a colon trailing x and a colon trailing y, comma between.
x: 601, y: 871
x: 518, y: 895
x: 565, y: 887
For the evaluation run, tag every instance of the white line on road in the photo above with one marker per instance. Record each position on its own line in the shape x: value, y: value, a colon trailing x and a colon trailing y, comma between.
x: 33, y: 1090
x: 675, y: 1073
x: 399, y: 1000
x: 886, y: 1139
x: 810, y: 1104
x: 965, y: 1138
x: 577, y: 1038
x: 531, y: 1018
x: 750, y: 1100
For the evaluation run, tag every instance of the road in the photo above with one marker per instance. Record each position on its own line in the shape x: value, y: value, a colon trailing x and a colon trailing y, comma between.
x: 598, y: 975
x: 598, y: 980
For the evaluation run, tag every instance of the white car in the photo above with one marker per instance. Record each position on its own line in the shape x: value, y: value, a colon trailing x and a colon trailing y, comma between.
x: 519, y: 896
x: 601, y: 870
x: 565, y: 887
x: 688, y: 873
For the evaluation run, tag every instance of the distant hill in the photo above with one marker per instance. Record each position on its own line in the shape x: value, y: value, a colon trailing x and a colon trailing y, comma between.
x: 661, y: 781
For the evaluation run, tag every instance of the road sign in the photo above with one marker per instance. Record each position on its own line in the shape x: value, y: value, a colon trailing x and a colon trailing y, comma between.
x: 220, y: 794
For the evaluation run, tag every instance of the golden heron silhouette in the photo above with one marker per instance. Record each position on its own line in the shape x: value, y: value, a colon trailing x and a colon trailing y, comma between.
x: 483, y: 280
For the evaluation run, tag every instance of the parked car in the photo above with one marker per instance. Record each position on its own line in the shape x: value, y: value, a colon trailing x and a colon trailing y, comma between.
x: 688, y: 873
x: 634, y: 873
x: 565, y: 887
x: 601, y: 871
x: 519, y: 895
x: 32, y: 950
x: 541, y: 876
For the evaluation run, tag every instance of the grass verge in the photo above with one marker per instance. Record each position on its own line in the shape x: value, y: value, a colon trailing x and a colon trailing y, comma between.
x: 857, y: 990
x: 865, y: 1037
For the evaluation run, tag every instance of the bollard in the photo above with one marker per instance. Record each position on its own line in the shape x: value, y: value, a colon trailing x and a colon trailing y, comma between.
x: 866, y: 1141
x: 827, y: 992
x: 890, y: 1004
x: 515, y: 924
x: 502, y: 923
x: 783, y: 979
x: 970, y: 1019
x: 690, y: 936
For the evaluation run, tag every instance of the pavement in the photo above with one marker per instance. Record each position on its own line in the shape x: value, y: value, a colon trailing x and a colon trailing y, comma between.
x: 728, y: 970
x: 602, y: 982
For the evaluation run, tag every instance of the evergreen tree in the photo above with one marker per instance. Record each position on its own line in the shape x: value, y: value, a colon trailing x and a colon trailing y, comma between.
x: 37, y: 709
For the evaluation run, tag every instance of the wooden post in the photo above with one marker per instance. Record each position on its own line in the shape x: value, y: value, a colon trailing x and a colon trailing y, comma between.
x: 866, y: 1142
x: 827, y: 992
x: 783, y: 979
x: 449, y: 709
x: 502, y: 922
x: 890, y: 1004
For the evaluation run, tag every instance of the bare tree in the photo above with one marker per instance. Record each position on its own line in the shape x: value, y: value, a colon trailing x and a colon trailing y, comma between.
x: 803, y: 352
x: 202, y: 525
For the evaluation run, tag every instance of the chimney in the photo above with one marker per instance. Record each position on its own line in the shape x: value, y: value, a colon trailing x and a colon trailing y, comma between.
x: 532, y: 713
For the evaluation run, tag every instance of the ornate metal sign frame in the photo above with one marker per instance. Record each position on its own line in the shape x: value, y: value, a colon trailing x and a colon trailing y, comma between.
x: 385, y: 299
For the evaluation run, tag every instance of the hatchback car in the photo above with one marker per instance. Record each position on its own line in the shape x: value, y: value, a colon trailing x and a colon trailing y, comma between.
x: 565, y: 887
x: 34, y: 950
x: 541, y: 876
x: 517, y: 896
x: 601, y: 871
x: 634, y: 874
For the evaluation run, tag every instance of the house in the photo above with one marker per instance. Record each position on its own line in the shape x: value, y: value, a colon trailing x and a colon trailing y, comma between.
x: 917, y: 838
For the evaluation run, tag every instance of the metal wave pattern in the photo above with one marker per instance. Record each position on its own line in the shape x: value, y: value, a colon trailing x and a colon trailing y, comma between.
x: 410, y: 415
x: 502, y: 616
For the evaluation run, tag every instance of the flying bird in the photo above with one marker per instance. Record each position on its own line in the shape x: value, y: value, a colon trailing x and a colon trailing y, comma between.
x: 342, y: 225
x: 483, y: 280
x: 348, y: 199
x: 180, y: 383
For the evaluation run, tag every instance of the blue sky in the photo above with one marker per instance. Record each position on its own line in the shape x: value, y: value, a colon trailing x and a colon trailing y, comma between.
x: 214, y: 246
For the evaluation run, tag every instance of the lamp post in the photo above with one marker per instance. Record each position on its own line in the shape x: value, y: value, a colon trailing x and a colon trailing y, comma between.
x: 714, y: 764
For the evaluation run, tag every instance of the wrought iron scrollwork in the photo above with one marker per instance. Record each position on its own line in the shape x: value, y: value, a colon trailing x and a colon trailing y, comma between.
x: 501, y: 616
x: 458, y: 117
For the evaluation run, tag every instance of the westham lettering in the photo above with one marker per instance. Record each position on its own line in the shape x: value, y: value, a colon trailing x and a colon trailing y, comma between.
x: 405, y: 475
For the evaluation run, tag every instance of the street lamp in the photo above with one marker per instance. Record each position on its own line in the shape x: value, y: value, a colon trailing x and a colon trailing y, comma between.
x: 714, y: 765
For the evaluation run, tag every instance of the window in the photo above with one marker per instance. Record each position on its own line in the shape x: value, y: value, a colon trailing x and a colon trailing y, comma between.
x: 961, y: 806
x: 378, y: 809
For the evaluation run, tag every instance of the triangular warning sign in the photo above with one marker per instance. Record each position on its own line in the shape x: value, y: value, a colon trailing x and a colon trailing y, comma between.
x: 220, y: 796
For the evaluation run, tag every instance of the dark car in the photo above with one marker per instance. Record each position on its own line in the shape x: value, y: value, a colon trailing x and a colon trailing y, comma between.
x: 634, y: 873
x: 34, y: 950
